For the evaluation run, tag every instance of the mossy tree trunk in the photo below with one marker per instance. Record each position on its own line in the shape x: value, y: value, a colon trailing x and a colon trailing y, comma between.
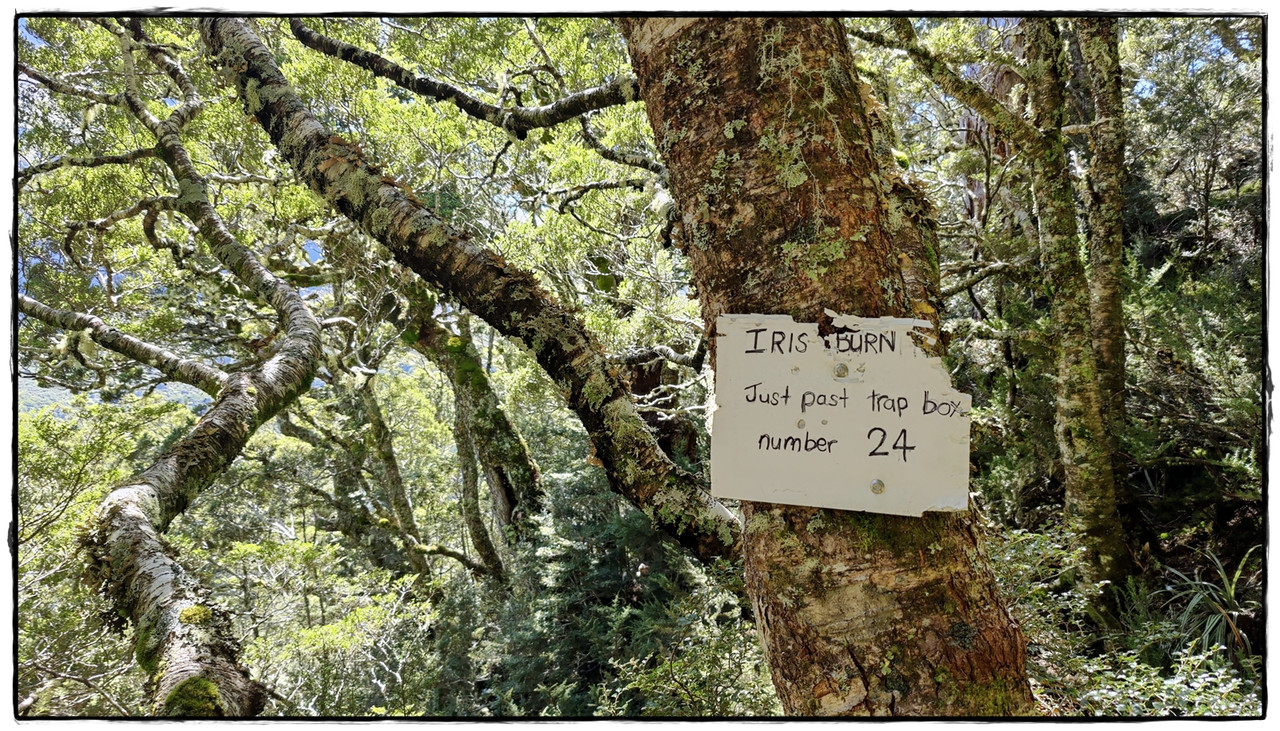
x: 1080, y: 424
x: 1099, y: 46
x: 788, y: 206
x: 469, y: 494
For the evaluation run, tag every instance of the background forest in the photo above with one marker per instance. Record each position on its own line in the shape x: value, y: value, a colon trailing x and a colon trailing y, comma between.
x: 411, y: 516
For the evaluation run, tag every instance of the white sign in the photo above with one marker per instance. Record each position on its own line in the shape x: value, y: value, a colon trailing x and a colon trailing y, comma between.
x: 861, y: 419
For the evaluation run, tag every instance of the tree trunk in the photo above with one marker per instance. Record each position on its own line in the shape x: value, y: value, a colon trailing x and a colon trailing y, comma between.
x: 469, y: 497
x: 1099, y: 47
x: 183, y: 642
x: 1080, y: 427
x: 379, y: 440
x: 514, y: 481
x: 788, y: 207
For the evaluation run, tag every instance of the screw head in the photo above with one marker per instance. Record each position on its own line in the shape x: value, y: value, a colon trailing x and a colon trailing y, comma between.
x: 877, y: 486
x: 842, y: 370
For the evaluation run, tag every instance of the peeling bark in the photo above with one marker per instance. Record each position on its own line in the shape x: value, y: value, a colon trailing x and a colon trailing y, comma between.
x: 509, y: 299
x: 789, y: 206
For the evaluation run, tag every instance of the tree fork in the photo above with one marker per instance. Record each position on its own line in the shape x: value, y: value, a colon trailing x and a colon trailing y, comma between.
x: 508, y: 298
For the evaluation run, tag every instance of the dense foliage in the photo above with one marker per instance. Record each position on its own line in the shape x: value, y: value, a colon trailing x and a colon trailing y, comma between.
x: 365, y: 574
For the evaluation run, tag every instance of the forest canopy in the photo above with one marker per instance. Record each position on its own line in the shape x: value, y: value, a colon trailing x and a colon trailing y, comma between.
x: 364, y: 364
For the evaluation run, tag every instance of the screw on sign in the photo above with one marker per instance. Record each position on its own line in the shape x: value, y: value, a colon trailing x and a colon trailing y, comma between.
x: 806, y: 419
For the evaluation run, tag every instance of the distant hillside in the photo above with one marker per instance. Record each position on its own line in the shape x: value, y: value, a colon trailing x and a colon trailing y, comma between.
x: 32, y: 396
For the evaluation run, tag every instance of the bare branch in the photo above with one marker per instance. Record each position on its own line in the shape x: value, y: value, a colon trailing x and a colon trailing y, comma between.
x: 86, y: 682
x: 632, y: 159
x: 989, y: 270
x: 146, y: 205
x: 64, y: 87
x: 124, y: 158
x: 515, y: 120
x: 576, y: 192
x: 184, y: 370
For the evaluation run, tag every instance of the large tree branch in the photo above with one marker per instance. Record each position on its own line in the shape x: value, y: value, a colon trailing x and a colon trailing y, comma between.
x: 509, y: 299
x: 204, y: 377
x: 692, y: 360
x: 968, y: 92
x: 515, y: 120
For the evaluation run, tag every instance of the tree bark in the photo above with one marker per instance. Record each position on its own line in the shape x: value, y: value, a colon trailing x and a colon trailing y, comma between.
x: 509, y: 299
x: 787, y: 206
x: 1099, y: 46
